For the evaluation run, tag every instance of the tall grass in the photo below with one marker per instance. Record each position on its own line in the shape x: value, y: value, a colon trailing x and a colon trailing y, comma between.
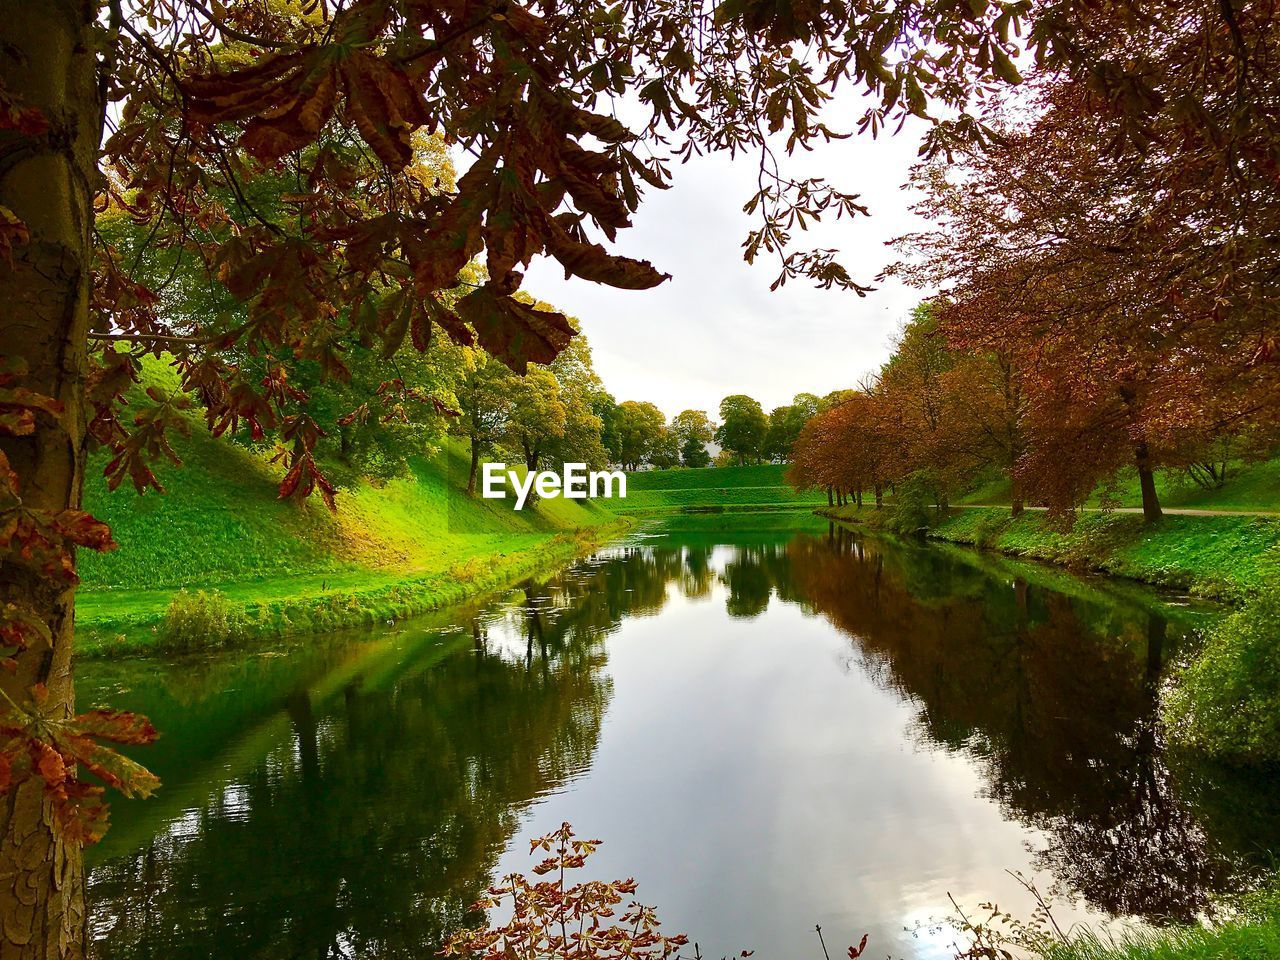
x: 1251, y: 933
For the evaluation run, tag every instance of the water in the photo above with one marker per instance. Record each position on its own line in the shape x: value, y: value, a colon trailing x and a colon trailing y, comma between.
x: 769, y: 731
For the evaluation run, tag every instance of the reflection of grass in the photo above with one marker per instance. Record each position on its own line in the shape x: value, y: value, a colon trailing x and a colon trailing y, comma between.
x: 1092, y: 589
x: 1221, y: 557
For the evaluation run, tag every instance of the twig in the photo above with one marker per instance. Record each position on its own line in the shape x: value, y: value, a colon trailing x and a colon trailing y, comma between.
x: 152, y: 338
x: 818, y: 927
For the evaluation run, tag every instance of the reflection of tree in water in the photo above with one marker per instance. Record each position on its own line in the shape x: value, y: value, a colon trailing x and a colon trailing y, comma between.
x: 697, y: 575
x: 1055, y: 694
x: 749, y: 582
x: 371, y: 828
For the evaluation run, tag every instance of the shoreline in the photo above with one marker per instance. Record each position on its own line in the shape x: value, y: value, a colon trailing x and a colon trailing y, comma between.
x: 1219, y: 557
x: 102, y: 636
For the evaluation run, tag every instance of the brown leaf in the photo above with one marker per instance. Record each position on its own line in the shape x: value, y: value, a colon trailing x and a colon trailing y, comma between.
x: 515, y: 332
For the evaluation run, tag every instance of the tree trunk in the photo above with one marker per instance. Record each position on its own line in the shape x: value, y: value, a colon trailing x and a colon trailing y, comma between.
x: 879, y: 496
x: 1019, y: 505
x: 475, y: 466
x: 47, y: 60
x: 831, y: 501
x: 858, y: 494
x: 1151, y: 511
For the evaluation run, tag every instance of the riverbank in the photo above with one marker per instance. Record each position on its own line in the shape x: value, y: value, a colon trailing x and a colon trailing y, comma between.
x: 1218, y: 557
x: 1252, y: 933
x: 220, y: 559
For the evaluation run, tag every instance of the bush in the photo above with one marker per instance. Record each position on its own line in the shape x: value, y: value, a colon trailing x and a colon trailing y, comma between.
x: 198, y: 620
x: 913, y: 510
x: 1227, y: 702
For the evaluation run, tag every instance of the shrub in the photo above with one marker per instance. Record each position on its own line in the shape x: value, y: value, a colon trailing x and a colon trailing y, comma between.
x: 913, y: 510
x: 205, y: 618
x: 1227, y: 702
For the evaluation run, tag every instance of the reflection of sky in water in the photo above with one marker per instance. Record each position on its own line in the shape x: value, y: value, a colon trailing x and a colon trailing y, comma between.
x: 756, y: 786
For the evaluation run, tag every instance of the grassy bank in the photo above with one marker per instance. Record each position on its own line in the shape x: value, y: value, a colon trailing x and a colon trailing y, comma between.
x: 1250, y: 487
x: 273, y: 567
x: 1220, y: 557
x: 753, y: 488
x: 1252, y: 933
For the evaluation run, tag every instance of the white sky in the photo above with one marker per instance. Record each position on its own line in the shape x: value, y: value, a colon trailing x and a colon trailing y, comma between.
x: 714, y: 328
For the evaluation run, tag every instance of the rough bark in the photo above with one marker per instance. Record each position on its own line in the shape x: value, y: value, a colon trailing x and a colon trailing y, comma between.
x: 48, y: 182
x: 1151, y: 511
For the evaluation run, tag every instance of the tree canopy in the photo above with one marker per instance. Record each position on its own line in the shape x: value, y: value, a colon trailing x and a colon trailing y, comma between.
x: 742, y: 429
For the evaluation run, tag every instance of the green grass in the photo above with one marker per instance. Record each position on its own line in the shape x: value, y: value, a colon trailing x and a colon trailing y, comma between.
x: 1253, y: 487
x: 1252, y: 934
x: 754, y: 475
x: 1227, y: 558
x: 1243, y: 941
x: 396, y: 548
x: 755, y: 487
x: 1227, y: 701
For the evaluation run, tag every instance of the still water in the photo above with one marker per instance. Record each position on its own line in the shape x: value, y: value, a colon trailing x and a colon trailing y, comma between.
x: 769, y: 731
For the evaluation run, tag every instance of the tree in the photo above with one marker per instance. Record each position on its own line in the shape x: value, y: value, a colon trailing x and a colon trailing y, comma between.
x: 606, y: 408
x: 640, y: 428
x: 486, y: 397
x: 845, y: 449
x: 585, y: 398
x: 693, y: 430
x: 742, y: 427
x: 536, y: 415
x: 1105, y: 271
x: 665, y: 451
x: 785, y: 424
x: 694, y: 453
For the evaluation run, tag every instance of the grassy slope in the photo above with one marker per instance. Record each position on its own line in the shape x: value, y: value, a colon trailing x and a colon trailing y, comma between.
x: 1221, y: 557
x: 1255, y: 486
x: 733, y: 488
x: 409, y: 545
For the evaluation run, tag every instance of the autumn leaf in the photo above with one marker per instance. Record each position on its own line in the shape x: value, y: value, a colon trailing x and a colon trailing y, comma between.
x: 515, y: 332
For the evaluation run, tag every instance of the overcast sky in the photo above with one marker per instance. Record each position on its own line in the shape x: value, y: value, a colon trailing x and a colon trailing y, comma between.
x: 714, y: 328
